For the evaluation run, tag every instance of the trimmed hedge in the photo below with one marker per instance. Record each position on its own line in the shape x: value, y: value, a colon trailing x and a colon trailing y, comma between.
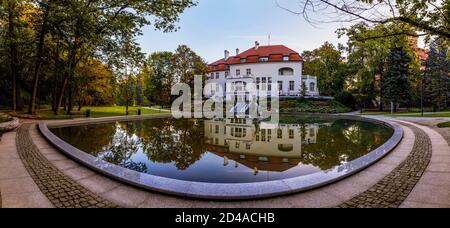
x: 314, y: 106
x: 444, y: 125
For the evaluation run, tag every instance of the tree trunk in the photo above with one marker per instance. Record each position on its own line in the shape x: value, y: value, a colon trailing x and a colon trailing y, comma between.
x: 72, y: 64
x: 13, y: 54
x: 60, y: 97
x: 70, y: 101
x: 40, y: 49
x: 55, y: 80
x: 381, y: 67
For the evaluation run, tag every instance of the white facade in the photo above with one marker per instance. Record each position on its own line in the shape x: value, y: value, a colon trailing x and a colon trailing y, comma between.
x: 268, y: 142
x: 284, y: 78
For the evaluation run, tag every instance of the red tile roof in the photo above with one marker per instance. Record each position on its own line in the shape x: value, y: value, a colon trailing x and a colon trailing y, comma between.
x: 275, y: 53
x: 422, y: 54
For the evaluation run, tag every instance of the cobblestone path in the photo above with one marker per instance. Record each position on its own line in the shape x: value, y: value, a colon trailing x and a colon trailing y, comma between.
x: 61, y: 190
x: 393, y: 189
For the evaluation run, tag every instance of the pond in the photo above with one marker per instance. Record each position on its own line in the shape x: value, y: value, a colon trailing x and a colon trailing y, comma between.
x: 231, y: 150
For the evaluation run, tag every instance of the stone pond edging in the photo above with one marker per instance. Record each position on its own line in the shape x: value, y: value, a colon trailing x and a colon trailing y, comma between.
x: 212, y: 190
x: 10, y: 125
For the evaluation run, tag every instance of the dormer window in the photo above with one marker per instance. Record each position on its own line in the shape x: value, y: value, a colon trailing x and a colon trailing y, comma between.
x: 286, y: 58
x: 264, y: 59
x: 243, y: 60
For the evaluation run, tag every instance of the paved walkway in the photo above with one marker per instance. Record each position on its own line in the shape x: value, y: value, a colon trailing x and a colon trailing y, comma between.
x: 433, y: 189
x: 61, y: 190
x: 393, y: 190
x: 19, y: 188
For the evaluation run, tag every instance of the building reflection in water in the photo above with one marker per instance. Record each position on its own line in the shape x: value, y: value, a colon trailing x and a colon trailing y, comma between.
x: 261, y: 146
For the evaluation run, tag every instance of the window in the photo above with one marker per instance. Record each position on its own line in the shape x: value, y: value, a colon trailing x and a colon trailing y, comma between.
x: 217, y: 129
x: 263, y: 135
x: 285, y: 58
x: 217, y: 141
x: 227, y: 73
x: 312, y: 87
x: 269, y: 135
x: 285, y: 147
x: 312, y: 133
x: 258, y: 82
x: 264, y: 59
x: 264, y: 83
x: 239, y: 132
x: 212, y: 75
x: 217, y: 75
x: 238, y: 72
x: 237, y: 145
x: 249, y: 71
x: 269, y: 86
x: 280, y: 133
x: 286, y: 71
x: 248, y: 146
x: 291, y: 85
x: 291, y: 134
x: 280, y: 86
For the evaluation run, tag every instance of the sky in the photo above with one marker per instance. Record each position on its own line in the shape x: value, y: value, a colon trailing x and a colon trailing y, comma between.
x: 217, y: 25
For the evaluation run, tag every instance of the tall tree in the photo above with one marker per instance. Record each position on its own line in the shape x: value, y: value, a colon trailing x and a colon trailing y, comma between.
x: 187, y: 64
x: 159, y: 77
x: 327, y: 64
x: 430, y: 16
x: 367, y: 59
x: 437, y: 75
x: 396, y: 84
x: 45, y: 8
x: 95, y: 26
x: 12, y: 12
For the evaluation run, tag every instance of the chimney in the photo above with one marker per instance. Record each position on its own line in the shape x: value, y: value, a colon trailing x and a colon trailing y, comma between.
x: 227, y: 54
x: 237, y: 51
x: 256, y: 45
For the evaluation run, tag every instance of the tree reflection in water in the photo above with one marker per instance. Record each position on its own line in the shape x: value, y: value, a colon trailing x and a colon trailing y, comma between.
x: 195, y: 149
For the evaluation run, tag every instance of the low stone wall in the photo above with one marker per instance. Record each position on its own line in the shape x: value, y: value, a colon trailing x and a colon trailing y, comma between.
x: 10, y: 125
x: 217, y: 191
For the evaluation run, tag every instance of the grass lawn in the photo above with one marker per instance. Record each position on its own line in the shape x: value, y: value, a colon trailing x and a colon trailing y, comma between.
x: 408, y: 114
x: 444, y: 125
x: 4, y: 118
x: 96, y: 112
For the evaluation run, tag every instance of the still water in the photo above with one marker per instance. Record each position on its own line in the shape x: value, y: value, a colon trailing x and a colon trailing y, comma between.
x: 228, y: 151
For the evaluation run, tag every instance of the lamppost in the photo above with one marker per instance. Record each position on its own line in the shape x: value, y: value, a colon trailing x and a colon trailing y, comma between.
x: 422, y: 93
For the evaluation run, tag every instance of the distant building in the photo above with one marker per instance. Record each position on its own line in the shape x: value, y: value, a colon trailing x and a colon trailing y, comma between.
x: 275, y: 68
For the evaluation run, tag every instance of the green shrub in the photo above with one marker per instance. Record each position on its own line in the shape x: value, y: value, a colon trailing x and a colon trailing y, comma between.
x: 313, y: 106
x: 444, y: 125
x: 346, y: 99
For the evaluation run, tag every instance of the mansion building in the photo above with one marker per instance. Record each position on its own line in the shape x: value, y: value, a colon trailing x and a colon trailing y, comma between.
x: 274, y: 69
x: 268, y: 147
